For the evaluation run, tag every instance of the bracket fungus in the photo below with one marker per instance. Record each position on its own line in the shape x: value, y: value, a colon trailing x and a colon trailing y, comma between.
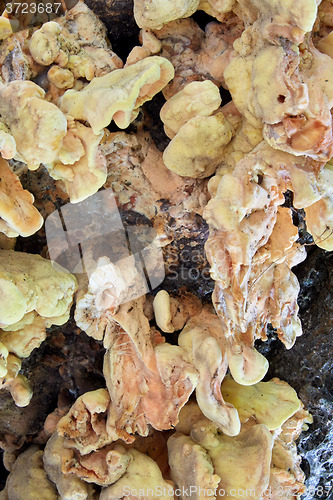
x: 37, y: 126
x: 162, y: 380
x: 171, y: 313
x: 81, y: 164
x: 81, y: 451
x: 155, y: 13
x: 161, y: 376
x: 203, y: 340
x: 68, y: 486
x: 271, y: 403
x: 7, y: 27
x: 34, y: 284
x: 142, y: 474
x: 195, y: 99
x: 18, y: 215
x: 28, y: 477
x: 294, y: 111
x: 118, y: 95
x: 249, y: 453
x: 256, y: 460
x: 34, y: 295
x: 191, y: 466
x: 198, y: 130
x: 62, y: 78
x: 84, y: 426
x: 149, y: 404
x: 16, y: 383
x: 162, y: 311
x: 196, y: 149
x: 44, y: 45
x: 262, y: 248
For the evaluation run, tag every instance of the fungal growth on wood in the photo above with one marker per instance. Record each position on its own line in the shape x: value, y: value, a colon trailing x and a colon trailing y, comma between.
x: 170, y: 182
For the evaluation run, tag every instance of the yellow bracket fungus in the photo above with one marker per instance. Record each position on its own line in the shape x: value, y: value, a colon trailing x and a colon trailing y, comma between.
x: 270, y: 403
x: 119, y: 94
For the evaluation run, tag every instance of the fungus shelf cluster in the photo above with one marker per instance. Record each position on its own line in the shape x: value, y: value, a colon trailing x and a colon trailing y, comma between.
x: 179, y: 400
